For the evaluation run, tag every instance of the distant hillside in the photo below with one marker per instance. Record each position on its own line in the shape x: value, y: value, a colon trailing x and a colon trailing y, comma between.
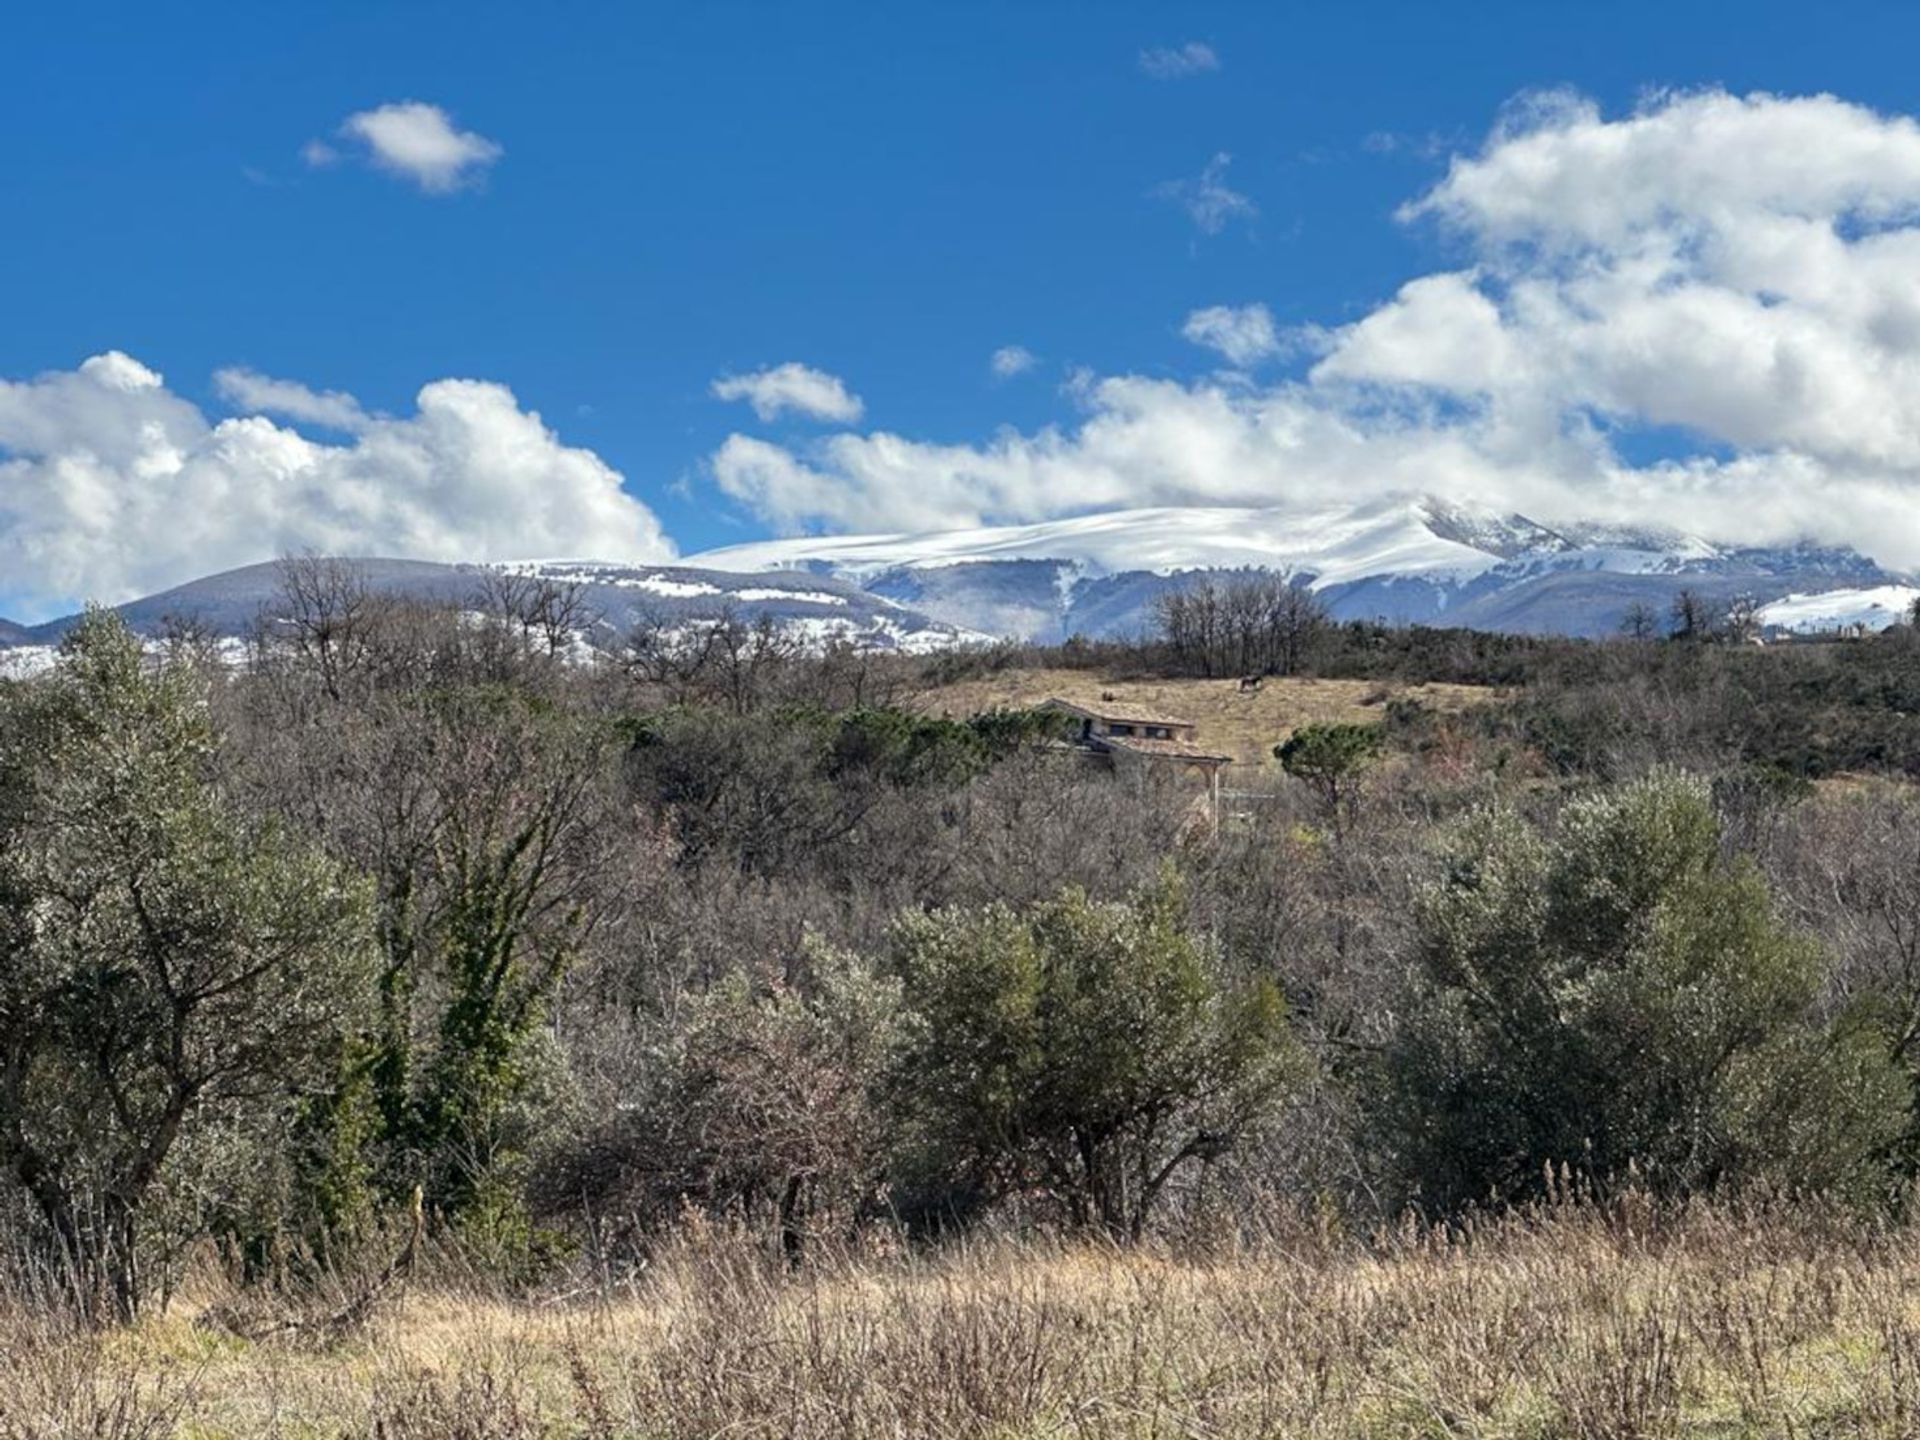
x: 615, y: 597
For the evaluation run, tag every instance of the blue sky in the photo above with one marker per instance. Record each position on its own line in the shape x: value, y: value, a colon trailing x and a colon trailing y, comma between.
x: 886, y: 193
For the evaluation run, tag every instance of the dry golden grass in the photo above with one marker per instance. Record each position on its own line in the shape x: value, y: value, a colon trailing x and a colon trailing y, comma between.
x: 1569, y: 1324
x: 1243, y: 724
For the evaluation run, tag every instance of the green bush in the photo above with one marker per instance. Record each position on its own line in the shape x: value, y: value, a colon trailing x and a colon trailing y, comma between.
x: 1621, y: 994
x: 1080, y: 1051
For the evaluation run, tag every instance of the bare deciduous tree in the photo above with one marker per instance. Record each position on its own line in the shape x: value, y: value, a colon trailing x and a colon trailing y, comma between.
x: 542, y: 612
x: 1640, y: 621
x: 326, y: 613
x: 1258, y: 624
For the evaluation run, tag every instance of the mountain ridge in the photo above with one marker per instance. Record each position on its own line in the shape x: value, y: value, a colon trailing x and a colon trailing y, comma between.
x: 230, y: 603
x: 1402, y: 559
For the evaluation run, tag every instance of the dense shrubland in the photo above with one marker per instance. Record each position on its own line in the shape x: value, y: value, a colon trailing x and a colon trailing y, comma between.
x: 410, y: 932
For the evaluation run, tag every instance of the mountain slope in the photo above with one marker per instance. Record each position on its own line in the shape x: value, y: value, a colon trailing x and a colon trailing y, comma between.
x: 1402, y: 559
x: 616, y: 597
x: 1335, y: 544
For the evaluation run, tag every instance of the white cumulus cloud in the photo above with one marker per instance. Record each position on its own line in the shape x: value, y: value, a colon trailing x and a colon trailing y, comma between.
x: 112, y: 485
x: 1176, y: 62
x: 1740, y: 272
x: 416, y: 141
x: 1747, y: 268
x: 1011, y: 360
x: 795, y: 388
x: 1243, y: 333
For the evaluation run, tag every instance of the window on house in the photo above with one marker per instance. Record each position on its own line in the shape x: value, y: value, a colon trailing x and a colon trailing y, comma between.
x: 1119, y: 729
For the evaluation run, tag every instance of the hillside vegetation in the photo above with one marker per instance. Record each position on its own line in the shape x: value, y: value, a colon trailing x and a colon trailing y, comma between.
x: 409, y: 1027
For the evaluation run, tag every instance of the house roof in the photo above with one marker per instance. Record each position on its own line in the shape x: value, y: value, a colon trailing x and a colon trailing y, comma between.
x: 1170, y: 749
x: 1125, y: 714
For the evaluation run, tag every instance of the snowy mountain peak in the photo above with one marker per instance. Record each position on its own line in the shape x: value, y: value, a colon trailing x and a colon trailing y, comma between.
x: 1327, y: 543
x: 1507, y: 536
x: 1405, y: 558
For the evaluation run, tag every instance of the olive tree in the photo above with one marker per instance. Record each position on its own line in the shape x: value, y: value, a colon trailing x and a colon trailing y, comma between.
x: 1620, y: 993
x: 1081, y: 1051
x: 165, y: 965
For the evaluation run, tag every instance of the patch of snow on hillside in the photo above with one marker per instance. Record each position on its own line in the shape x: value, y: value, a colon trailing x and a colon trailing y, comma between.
x: 676, y: 589
x: 605, y: 572
x: 881, y: 632
x: 1875, y: 608
x: 23, y: 662
x: 803, y: 597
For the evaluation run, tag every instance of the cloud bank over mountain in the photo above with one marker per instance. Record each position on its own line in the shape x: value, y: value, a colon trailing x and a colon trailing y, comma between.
x: 112, y: 485
x: 1729, y: 284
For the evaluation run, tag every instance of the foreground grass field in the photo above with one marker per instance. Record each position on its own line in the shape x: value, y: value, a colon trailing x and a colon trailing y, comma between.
x: 1244, y: 724
x: 1570, y: 1324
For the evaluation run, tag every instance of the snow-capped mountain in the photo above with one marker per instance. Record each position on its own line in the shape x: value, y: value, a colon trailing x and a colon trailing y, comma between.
x: 1335, y: 544
x: 1401, y: 559
x: 614, y: 598
x: 1419, y: 560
